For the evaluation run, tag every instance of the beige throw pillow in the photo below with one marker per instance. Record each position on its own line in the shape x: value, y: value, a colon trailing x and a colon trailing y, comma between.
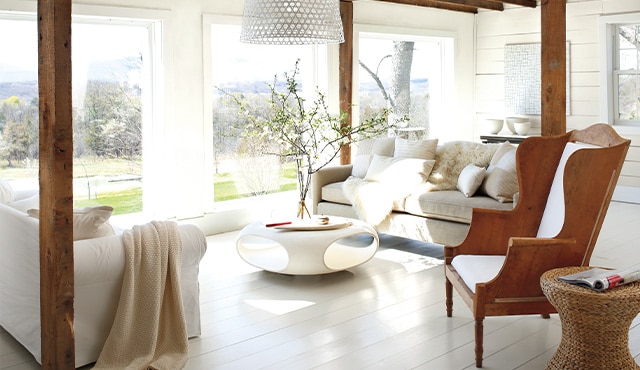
x: 88, y: 222
x: 501, y: 179
x: 470, y: 179
x: 425, y: 149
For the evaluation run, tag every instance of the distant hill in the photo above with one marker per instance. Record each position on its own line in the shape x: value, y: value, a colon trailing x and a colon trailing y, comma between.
x: 25, y: 90
x: 23, y: 83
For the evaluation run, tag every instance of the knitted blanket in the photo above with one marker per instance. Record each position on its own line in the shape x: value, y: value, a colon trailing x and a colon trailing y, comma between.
x: 149, y: 330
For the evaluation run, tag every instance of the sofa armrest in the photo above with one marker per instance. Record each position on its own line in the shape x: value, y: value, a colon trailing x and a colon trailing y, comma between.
x: 325, y: 176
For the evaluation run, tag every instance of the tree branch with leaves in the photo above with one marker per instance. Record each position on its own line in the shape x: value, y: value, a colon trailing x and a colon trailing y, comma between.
x: 306, y: 132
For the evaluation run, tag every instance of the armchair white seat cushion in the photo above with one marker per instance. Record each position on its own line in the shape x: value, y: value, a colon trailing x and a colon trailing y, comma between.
x: 475, y: 269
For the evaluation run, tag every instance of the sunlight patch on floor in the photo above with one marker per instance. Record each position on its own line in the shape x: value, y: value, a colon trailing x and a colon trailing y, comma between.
x: 278, y: 306
x: 411, y: 262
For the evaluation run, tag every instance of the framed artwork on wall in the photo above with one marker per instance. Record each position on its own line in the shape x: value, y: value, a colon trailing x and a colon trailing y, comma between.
x: 522, y: 79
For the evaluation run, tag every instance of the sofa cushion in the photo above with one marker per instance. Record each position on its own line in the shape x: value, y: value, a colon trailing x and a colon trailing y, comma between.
x: 23, y: 205
x: 333, y: 193
x: 6, y: 192
x: 449, y: 205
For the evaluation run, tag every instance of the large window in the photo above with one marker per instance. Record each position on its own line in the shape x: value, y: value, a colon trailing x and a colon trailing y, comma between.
x: 111, y: 64
x: 404, y: 72
x: 627, y: 73
x: 620, y: 69
x: 246, y: 167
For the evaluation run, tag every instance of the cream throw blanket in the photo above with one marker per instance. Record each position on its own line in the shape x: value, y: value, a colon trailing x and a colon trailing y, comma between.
x: 149, y: 330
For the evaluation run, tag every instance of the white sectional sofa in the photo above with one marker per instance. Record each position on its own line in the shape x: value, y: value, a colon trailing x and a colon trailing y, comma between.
x: 99, y: 268
x: 435, y: 206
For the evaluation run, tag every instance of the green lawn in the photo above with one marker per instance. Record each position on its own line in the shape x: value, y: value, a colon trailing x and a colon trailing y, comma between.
x: 130, y: 200
x: 125, y: 201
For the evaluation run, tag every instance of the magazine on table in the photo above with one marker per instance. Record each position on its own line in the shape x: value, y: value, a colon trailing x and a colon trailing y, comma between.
x: 601, y: 279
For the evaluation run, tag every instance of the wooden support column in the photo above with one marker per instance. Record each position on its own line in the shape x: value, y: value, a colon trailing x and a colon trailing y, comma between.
x: 553, y: 68
x: 56, y: 192
x: 346, y: 73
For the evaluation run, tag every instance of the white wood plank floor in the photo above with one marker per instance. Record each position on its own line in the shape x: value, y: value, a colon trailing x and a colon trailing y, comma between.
x: 386, y: 314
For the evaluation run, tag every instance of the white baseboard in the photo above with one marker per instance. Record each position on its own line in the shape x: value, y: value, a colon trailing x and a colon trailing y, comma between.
x: 628, y: 194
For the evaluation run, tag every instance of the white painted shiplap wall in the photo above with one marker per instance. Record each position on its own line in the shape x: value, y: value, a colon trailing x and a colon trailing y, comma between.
x: 522, y: 25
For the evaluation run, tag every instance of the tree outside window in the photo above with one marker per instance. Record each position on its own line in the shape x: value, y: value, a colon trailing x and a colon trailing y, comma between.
x: 627, y: 73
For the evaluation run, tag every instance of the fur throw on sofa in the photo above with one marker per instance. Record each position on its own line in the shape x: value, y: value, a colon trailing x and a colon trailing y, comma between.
x: 372, y: 200
x: 453, y: 157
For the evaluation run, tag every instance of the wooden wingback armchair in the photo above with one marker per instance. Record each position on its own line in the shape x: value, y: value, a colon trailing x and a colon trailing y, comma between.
x: 566, y: 183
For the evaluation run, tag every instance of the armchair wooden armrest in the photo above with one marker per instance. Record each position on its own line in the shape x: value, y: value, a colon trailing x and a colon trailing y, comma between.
x: 526, y: 260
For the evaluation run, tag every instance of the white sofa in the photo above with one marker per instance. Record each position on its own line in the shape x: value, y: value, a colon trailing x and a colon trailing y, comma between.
x: 99, y: 268
x: 435, y: 210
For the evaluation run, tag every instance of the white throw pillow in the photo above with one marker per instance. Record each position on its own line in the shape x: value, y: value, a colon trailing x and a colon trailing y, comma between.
x: 425, y: 149
x: 6, y: 192
x: 403, y: 172
x: 470, y: 179
x: 88, y: 222
x: 365, y: 150
x: 360, y: 165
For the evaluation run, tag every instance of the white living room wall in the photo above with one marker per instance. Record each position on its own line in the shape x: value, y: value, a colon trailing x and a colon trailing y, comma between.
x: 517, y: 25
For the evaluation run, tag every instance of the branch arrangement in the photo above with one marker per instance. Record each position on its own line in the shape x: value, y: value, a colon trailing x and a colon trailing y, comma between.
x: 307, y: 132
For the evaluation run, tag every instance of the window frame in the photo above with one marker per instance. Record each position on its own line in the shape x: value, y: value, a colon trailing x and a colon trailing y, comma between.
x: 321, y: 78
x: 446, y: 83
x: 158, y: 23
x: 608, y: 41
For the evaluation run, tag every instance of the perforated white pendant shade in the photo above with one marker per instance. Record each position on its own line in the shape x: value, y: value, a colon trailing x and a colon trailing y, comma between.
x: 296, y: 22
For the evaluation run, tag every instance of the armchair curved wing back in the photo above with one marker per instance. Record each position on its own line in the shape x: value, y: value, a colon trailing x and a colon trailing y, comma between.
x: 566, y: 183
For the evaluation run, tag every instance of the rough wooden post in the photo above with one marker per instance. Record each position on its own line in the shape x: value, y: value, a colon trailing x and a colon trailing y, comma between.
x: 346, y: 72
x: 553, y: 68
x: 56, y: 192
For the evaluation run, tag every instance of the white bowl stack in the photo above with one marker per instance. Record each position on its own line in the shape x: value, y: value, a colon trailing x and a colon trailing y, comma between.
x: 518, y: 125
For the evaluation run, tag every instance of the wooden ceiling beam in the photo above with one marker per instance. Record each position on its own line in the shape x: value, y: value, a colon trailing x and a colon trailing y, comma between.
x: 484, y: 4
x: 526, y: 3
x: 436, y: 4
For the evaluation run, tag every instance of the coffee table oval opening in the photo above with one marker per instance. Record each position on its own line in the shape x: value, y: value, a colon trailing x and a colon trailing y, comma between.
x: 308, y: 252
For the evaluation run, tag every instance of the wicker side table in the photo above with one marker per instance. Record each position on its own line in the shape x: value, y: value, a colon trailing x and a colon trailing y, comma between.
x: 595, y: 325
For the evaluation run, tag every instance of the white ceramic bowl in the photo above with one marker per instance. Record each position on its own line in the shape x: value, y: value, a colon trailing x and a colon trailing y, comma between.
x: 522, y: 128
x: 511, y: 120
x: 494, y: 125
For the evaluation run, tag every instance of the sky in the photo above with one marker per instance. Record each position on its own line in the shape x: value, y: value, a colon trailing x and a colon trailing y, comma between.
x: 90, y: 43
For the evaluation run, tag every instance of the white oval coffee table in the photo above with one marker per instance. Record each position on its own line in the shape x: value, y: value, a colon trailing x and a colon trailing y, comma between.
x: 305, y: 251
